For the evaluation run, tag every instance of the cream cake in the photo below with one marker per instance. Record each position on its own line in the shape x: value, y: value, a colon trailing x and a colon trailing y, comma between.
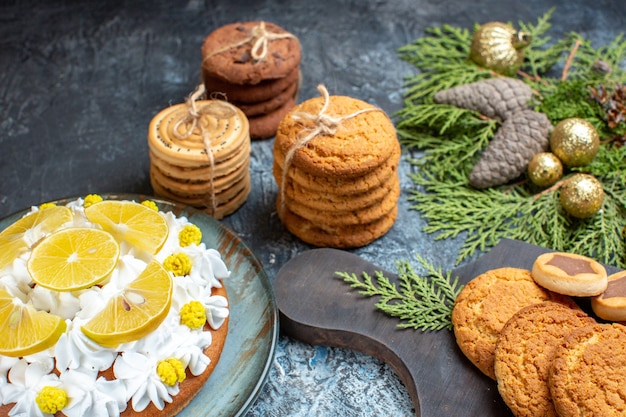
x: 130, y: 323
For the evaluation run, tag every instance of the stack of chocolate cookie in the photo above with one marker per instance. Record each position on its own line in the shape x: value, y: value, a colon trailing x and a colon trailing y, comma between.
x: 255, y: 66
x: 338, y: 184
x: 200, y: 156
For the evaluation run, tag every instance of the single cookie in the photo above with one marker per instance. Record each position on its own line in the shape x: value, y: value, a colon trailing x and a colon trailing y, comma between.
x: 484, y: 306
x: 344, y: 237
x: 358, y: 216
x: 570, y: 274
x: 230, y: 52
x: 330, y: 201
x: 174, y: 137
x: 226, y: 203
x: 362, y: 139
x: 524, y: 353
x: 263, y: 127
x: 200, y: 187
x: 587, y: 376
x: 246, y: 93
x: 203, y: 172
x: 338, y: 184
x: 611, y: 304
x: 202, y: 201
x: 205, y: 193
x: 269, y: 105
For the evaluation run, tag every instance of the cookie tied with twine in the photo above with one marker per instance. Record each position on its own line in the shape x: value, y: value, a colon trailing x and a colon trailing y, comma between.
x: 324, y: 149
x: 255, y: 65
x: 200, y: 153
x: 250, y: 52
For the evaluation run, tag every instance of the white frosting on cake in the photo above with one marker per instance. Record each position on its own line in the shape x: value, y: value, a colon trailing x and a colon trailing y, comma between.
x: 78, y: 360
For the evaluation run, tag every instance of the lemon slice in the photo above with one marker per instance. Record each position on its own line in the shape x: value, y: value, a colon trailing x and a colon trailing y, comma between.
x: 132, y: 222
x: 23, y: 233
x: 25, y: 330
x: 73, y: 259
x: 136, y: 312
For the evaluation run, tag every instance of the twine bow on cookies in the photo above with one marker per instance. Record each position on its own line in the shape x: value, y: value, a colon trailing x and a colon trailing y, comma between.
x: 215, y: 108
x: 323, y: 125
x: 259, y: 39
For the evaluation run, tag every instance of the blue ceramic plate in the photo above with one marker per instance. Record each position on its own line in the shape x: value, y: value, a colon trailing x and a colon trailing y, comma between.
x: 253, y: 327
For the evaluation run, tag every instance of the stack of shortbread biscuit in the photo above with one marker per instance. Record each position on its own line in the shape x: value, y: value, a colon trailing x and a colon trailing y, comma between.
x: 200, y: 154
x: 335, y: 163
x: 255, y: 66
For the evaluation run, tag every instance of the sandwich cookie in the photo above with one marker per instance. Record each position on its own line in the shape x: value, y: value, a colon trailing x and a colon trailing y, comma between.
x: 570, y: 274
x: 611, y: 304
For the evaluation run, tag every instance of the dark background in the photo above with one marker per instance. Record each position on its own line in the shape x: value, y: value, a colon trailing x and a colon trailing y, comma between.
x: 81, y: 80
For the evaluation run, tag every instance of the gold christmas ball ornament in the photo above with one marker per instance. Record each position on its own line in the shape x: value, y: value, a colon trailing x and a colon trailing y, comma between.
x: 582, y: 195
x: 575, y: 141
x: 499, y: 47
x: 545, y: 169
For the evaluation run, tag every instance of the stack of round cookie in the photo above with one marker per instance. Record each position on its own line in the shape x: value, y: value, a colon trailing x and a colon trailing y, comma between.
x: 200, y: 154
x: 335, y: 163
x: 255, y: 66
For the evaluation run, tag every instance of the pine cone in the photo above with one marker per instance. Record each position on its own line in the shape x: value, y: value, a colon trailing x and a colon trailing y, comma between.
x: 496, y: 98
x: 614, y: 104
x: 520, y: 137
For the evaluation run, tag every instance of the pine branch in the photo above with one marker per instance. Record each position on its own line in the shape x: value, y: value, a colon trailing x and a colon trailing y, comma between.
x: 450, y: 141
x: 539, y: 56
x: 420, y: 302
x: 442, y: 57
x: 614, y: 55
x: 445, y: 43
x: 542, y: 26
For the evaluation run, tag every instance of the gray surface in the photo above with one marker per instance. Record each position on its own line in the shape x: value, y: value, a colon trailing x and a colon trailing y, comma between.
x: 80, y: 81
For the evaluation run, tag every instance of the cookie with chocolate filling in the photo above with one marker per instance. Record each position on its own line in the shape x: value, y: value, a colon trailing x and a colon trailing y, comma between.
x: 611, y: 304
x: 570, y: 274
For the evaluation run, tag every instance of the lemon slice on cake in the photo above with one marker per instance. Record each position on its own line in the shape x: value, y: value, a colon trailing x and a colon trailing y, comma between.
x: 28, y: 230
x: 137, y: 311
x: 73, y: 259
x: 24, y: 330
x: 132, y: 222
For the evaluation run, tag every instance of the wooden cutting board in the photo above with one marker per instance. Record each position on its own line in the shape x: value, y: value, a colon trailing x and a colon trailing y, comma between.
x: 318, y: 307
